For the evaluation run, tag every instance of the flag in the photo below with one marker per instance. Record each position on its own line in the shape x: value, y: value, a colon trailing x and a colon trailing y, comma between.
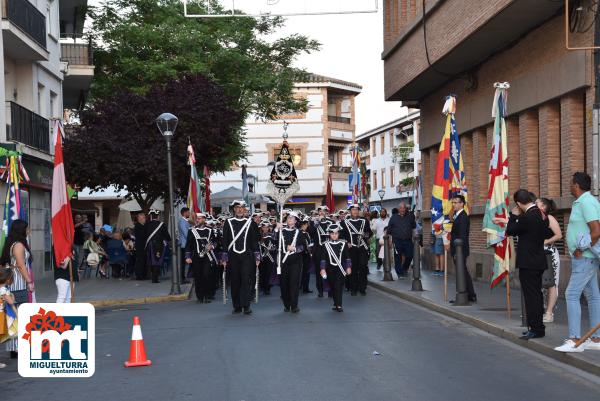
x: 363, y: 180
x: 13, y: 173
x: 329, y: 200
x: 498, y: 197
x: 206, y: 189
x: 62, y: 218
x: 194, y: 194
x: 355, y: 174
x: 449, y: 179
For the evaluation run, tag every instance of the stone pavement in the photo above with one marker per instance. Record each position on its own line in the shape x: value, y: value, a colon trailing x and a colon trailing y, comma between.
x: 104, y: 292
x: 490, y: 314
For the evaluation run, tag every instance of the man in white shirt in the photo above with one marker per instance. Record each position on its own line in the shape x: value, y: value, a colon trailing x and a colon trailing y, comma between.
x: 378, y: 225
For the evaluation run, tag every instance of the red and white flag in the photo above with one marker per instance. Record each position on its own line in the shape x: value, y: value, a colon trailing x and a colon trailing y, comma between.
x: 62, y: 219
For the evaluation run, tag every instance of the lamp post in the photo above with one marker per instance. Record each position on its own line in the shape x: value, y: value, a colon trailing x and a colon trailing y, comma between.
x: 167, y: 123
x: 381, y: 194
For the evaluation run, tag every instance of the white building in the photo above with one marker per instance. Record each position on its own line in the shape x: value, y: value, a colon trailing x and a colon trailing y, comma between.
x: 393, y: 160
x: 319, y: 140
x: 38, y: 80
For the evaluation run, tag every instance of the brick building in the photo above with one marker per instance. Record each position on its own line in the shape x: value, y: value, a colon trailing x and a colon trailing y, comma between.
x: 463, y: 47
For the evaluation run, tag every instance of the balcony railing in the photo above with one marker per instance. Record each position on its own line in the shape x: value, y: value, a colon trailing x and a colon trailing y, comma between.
x: 27, y: 127
x: 340, y: 169
x: 338, y: 119
x: 27, y: 17
x: 77, y: 53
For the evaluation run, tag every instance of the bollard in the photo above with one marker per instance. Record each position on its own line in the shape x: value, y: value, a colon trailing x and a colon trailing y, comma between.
x: 462, y: 297
x: 387, y: 259
x: 416, y: 283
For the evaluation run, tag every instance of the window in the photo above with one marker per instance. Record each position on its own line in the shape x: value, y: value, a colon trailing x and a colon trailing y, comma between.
x: 391, y: 134
x: 334, y: 156
x: 53, y: 112
x: 383, y: 178
x: 373, y: 146
x: 52, y: 20
x: 40, y: 97
x: 392, y: 177
x: 382, y: 138
x: 375, y: 186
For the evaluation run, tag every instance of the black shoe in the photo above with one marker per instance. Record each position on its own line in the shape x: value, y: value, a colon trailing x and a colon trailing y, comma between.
x: 237, y: 310
x: 212, y: 297
x: 473, y: 299
x: 378, y: 267
x: 340, y: 309
x: 247, y: 311
x: 531, y: 334
x: 286, y: 309
x: 334, y: 308
x: 363, y: 293
x: 320, y: 295
x: 199, y: 301
x: 14, y: 354
x: 207, y: 300
x: 296, y: 310
x: 307, y: 292
x: 155, y: 281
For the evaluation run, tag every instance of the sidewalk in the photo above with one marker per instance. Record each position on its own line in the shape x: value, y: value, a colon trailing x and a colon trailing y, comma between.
x: 489, y: 314
x: 107, y: 292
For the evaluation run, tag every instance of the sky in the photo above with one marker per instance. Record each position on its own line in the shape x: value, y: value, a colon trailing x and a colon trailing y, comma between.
x: 351, y: 47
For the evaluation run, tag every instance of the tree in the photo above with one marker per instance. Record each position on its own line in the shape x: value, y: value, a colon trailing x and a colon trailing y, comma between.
x: 119, y: 144
x: 142, y: 42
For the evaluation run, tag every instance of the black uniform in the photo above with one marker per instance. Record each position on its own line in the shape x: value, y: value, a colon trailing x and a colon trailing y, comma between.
x: 241, y: 256
x: 319, y: 235
x: 139, y: 231
x: 335, y: 260
x: 202, y: 261
x: 291, y: 265
x: 268, y: 247
x: 306, y: 256
x: 156, y: 246
x: 357, y: 232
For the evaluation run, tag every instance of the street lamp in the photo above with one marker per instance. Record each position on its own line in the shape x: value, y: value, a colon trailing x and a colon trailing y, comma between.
x: 381, y: 193
x: 167, y: 123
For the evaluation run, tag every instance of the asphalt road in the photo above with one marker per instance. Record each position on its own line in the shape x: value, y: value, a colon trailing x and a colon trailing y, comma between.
x: 203, y: 352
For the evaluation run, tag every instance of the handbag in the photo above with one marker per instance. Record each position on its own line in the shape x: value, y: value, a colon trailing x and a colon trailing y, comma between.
x: 93, y: 259
x: 21, y: 296
x: 548, y: 279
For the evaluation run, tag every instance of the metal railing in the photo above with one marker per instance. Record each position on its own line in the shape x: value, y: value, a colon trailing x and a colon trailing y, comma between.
x: 77, y: 53
x: 27, y: 127
x: 338, y: 119
x: 340, y: 169
x: 27, y: 17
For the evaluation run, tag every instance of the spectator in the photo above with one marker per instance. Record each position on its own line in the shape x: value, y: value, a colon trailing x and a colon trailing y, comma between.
x: 401, y: 228
x: 7, y: 300
x: 437, y: 244
x: 17, y: 255
x: 117, y: 254
x: 583, y: 221
x: 184, y: 227
x: 530, y: 224
x: 379, y: 225
x: 129, y: 245
x: 92, y: 245
x: 461, y: 226
x: 140, y: 235
x: 553, y: 235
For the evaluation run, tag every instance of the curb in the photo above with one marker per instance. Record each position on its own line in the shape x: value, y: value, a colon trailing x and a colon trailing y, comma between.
x: 143, y: 300
x: 493, y: 329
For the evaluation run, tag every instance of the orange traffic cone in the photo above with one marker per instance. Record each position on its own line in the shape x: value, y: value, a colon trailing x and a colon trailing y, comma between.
x: 137, y: 351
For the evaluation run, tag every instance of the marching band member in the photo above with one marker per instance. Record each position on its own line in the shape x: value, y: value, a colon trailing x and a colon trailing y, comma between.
x: 357, y: 231
x: 335, y: 265
x: 267, y: 248
x: 292, y: 246
x: 156, y: 243
x: 199, y: 254
x: 241, y: 254
x: 306, y: 256
x: 319, y: 236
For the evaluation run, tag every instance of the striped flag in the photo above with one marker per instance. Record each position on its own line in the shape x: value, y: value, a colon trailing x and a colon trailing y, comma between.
x: 498, y: 197
x: 449, y: 179
x: 194, y: 194
x: 62, y: 218
x: 355, y: 174
x: 13, y: 173
x: 206, y: 189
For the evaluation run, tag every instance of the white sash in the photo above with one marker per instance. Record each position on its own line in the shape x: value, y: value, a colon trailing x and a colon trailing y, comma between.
x: 292, y: 244
x: 237, y: 236
x: 153, y: 233
x: 357, y: 232
x: 336, y: 261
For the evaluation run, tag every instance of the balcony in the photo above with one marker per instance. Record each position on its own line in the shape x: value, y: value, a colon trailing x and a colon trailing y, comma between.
x: 338, y: 119
x: 27, y: 127
x: 340, y: 169
x: 24, y: 27
x: 78, y: 55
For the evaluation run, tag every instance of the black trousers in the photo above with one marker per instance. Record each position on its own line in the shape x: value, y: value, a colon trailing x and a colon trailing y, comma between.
x: 241, y: 268
x: 291, y: 271
x: 265, y: 271
x: 336, y: 282
x: 317, y: 261
x: 305, y: 280
x: 470, y: 289
x: 358, y: 279
x: 155, y: 273
x: 203, y: 280
x: 531, y: 285
x: 183, y: 265
x: 140, y: 264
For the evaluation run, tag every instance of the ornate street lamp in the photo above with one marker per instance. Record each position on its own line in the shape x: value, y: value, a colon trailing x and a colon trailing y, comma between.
x: 381, y: 193
x: 167, y: 124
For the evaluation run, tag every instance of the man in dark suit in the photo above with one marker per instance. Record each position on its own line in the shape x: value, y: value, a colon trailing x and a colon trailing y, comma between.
x: 530, y: 224
x: 460, y: 230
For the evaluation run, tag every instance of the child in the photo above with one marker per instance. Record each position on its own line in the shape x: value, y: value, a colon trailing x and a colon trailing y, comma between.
x: 335, y: 265
x: 7, y: 301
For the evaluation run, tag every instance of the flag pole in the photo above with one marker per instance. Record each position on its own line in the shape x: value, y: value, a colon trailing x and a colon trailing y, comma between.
x: 508, y: 307
x: 71, y: 282
x: 445, y: 275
